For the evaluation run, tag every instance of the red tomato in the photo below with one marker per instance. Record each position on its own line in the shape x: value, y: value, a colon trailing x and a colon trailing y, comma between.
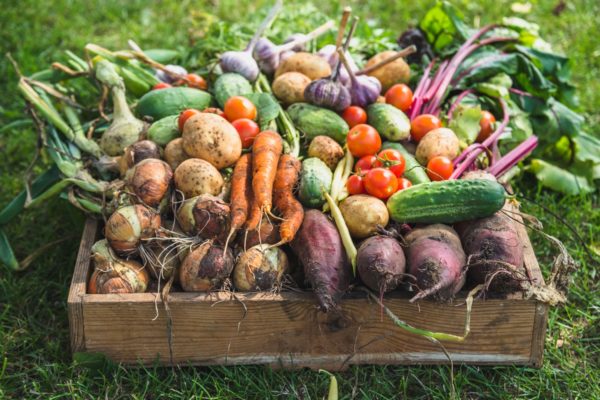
x: 439, y: 168
x: 247, y: 130
x: 184, y: 116
x: 363, y: 140
x: 381, y: 183
x: 238, y: 107
x: 354, y: 115
x: 196, y: 81
x: 392, y: 160
x: 355, y: 185
x: 403, y: 183
x: 423, y: 124
x: 365, y: 163
x: 400, y: 96
x: 486, y: 124
x: 161, y: 85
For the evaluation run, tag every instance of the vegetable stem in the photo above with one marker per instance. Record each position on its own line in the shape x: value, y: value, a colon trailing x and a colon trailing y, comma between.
x: 343, y: 230
x: 513, y: 157
x: 264, y: 25
x: 402, y: 53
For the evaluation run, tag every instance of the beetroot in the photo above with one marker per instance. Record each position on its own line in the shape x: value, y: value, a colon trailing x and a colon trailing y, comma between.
x: 436, y: 260
x: 494, y: 252
x: 381, y: 263
x: 319, y: 248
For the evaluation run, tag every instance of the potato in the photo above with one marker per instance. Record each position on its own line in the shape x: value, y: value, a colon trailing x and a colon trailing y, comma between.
x: 363, y: 213
x: 195, y: 177
x: 327, y: 150
x: 212, y: 138
x: 289, y: 87
x: 438, y: 142
x: 174, y: 154
x: 311, y: 65
x: 397, y: 71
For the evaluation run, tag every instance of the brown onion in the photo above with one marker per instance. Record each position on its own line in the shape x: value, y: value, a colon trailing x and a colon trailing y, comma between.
x: 205, y: 268
x: 260, y: 268
x: 150, y: 180
x: 136, y: 152
x: 114, y: 275
x: 206, y: 216
x: 164, y: 263
x: 127, y: 226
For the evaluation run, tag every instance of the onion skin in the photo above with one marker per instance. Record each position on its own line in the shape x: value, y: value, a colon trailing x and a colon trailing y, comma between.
x: 205, y: 268
x: 260, y: 268
x: 380, y: 263
x: 137, y: 152
x: 114, y: 275
x: 165, y: 264
x: 150, y: 180
x: 211, y: 217
x: 127, y: 226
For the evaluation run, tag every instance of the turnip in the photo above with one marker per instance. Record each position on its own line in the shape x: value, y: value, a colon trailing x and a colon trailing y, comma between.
x: 205, y: 268
x: 436, y: 260
x: 260, y: 268
x: 319, y: 248
x: 380, y: 263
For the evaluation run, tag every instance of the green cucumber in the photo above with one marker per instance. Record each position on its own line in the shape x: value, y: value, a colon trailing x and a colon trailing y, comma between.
x: 447, y: 201
x: 229, y: 85
x: 390, y: 122
x: 171, y: 101
x: 315, y: 178
x: 164, y: 130
x: 314, y: 121
x: 413, y: 171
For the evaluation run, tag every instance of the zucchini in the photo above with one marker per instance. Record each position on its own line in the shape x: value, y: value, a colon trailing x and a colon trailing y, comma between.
x: 315, y: 179
x: 164, y: 130
x: 413, y: 171
x: 164, y: 102
x: 447, y: 201
x: 314, y: 121
x: 229, y: 85
x: 389, y: 121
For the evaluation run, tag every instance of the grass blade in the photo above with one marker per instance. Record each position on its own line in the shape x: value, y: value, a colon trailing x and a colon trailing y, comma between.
x: 7, y: 256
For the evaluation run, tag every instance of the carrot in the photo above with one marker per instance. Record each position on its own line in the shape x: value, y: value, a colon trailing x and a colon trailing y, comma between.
x: 266, y: 151
x: 289, y: 208
x: 241, y: 194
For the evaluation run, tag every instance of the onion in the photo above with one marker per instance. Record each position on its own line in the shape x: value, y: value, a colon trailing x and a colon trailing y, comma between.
x: 137, y: 152
x: 260, y: 268
x: 150, y: 180
x: 164, y: 262
x: 205, y: 268
x: 127, y: 226
x: 114, y: 275
x: 206, y: 216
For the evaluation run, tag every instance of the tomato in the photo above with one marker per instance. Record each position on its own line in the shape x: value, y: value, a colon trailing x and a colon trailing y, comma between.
x: 238, y: 107
x: 247, y: 130
x: 486, y: 124
x: 196, y: 81
x: 381, y: 183
x: 365, y: 163
x: 184, y: 116
x: 439, y: 168
x: 400, y: 96
x: 392, y: 160
x: 403, y: 183
x: 355, y: 185
x: 363, y: 140
x: 354, y: 115
x: 161, y: 85
x: 423, y: 124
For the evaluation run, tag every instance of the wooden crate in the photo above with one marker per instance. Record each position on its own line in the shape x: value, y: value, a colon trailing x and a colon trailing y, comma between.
x: 286, y: 329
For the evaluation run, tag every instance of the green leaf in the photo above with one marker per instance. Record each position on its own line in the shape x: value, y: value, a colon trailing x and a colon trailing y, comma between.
x: 497, y: 86
x: 465, y: 123
x: 268, y: 108
x: 7, y: 256
x: 558, y: 179
x: 444, y: 27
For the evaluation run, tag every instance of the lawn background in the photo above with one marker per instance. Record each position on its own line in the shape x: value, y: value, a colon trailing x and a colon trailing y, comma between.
x: 35, y: 360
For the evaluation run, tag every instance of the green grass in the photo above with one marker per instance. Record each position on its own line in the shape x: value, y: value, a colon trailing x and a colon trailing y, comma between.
x: 35, y: 360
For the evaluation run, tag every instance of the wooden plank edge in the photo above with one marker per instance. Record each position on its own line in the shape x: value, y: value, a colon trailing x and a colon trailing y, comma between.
x: 538, y: 337
x: 78, y: 286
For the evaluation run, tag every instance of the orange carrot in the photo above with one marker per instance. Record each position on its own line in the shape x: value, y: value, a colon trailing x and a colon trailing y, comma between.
x: 289, y: 208
x: 266, y: 151
x: 241, y: 193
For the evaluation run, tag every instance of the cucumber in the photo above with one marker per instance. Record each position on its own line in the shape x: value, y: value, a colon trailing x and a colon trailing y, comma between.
x: 315, y: 178
x: 413, y: 171
x: 164, y: 130
x: 164, y: 102
x: 315, y: 121
x: 229, y: 85
x: 389, y: 121
x: 447, y: 201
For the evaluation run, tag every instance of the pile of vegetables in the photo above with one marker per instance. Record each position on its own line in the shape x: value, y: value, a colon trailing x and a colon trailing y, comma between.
x: 379, y: 168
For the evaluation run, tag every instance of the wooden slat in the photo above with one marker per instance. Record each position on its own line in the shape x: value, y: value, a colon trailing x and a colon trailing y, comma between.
x: 78, y: 285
